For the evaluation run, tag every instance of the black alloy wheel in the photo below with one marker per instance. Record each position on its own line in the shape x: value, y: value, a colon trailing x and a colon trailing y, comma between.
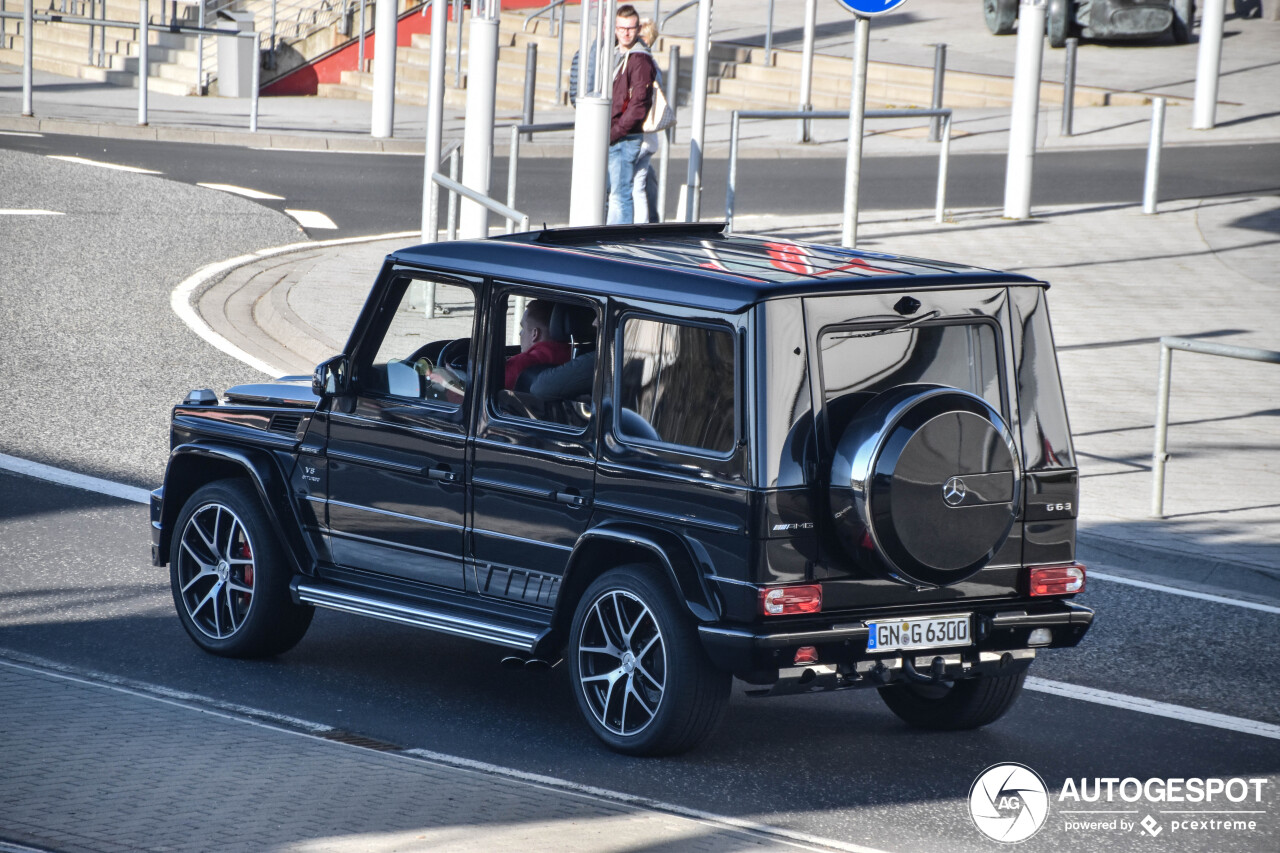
x: 641, y: 678
x: 230, y: 578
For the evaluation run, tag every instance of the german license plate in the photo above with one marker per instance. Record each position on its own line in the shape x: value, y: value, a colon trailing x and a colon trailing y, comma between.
x: 923, y: 633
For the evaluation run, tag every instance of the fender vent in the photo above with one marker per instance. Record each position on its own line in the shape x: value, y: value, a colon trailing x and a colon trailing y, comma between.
x: 287, y: 424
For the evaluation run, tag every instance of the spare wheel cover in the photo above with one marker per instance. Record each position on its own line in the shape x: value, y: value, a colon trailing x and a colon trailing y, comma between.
x: 932, y: 477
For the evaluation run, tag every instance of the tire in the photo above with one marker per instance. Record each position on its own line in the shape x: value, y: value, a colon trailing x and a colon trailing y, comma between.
x: 1001, y: 15
x: 968, y: 704
x: 672, y: 697
x: 1184, y: 15
x: 230, y: 578
x: 925, y: 485
x: 1057, y: 21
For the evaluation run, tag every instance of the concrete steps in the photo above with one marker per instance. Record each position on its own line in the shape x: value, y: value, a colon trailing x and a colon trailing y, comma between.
x: 109, y: 54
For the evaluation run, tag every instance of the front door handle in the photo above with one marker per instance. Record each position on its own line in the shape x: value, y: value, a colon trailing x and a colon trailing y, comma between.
x: 442, y: 473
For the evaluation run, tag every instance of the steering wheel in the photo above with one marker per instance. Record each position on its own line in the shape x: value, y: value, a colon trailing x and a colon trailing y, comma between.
x: 454, y: 355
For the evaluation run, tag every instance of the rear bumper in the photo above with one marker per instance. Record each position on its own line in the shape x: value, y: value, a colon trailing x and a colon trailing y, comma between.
x: 1001, y: 635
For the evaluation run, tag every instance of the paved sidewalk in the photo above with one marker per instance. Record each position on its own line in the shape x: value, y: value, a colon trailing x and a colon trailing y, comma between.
x: 1120, y: 280
x: 90, y: 767
x: 1248, y: 110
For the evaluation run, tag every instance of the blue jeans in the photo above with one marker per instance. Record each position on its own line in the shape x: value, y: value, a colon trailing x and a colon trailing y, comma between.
x: 622, y: 169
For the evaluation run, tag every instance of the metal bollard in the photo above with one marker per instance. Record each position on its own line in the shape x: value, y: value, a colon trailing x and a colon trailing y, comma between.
x: 452, y: 219
x: 939, y: 72
x: 1069, y: 87
x: 457, y: 58
x: 668, y: 138
x: 144, y: 64
x: 1152, y: 181
x: 513, y: 157
x: 1161, y: 454
x: 28, y: 21
x: 257, y: 82
x: 530, y: 82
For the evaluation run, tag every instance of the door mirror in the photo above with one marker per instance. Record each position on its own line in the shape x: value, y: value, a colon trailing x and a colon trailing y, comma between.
x: 331, y: 377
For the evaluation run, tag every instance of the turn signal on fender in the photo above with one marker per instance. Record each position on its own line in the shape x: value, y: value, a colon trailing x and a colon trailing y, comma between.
x: 790, y: 600
x: 1057, y: 580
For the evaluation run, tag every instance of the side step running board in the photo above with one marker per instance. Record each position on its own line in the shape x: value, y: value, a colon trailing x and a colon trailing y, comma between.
x: 308, y: 591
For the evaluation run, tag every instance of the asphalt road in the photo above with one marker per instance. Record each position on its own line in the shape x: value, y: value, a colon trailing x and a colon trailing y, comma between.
x: 78, y: 589
x: 382, y: 193
x: 94, y: 358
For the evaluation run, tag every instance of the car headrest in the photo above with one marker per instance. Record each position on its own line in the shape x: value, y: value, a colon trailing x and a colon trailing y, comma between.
x: 572, y: 323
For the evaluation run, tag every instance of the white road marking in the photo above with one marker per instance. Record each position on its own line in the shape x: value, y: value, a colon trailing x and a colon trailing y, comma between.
x: 312, y: 219
x: 21, y: 133
x: 101, y: 165
x: 70, y: 478
x: 244, y: 191
x: 1157, y: 709
x: 1202, y: 596
x: 180, y: 299
x: 267, y: 720
x: 18, y: 211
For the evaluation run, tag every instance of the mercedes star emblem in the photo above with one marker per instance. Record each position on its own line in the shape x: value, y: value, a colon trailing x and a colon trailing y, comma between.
x: 953, y: 491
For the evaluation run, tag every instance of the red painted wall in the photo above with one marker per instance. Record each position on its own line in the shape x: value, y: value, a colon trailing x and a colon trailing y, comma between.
x: 328, y: 68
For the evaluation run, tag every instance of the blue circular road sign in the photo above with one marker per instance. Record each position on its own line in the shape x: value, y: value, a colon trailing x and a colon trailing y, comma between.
x: 867, y: 8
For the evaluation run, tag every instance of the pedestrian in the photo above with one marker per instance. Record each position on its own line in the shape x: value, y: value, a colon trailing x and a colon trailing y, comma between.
x: 633, y: 76
x: 644, y: 190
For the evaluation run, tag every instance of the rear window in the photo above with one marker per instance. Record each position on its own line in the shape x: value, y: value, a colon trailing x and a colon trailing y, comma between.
x: 677, y: 385
x: 867, y: 361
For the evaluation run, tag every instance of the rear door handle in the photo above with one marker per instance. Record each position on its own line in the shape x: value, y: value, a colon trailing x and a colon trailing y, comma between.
x: 571, y: 497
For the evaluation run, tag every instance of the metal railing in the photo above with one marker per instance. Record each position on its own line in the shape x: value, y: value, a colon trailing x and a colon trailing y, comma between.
x: 557, y: 10
x: 944, y: 153
x: 513, y: 158
x: 662, y: 22
x: 558, y: 4
x: 1167, y: 345
x: 142, y: 28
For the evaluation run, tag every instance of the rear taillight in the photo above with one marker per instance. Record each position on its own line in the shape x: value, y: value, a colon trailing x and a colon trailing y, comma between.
x: 1057, y: 580
x: 789, y: 600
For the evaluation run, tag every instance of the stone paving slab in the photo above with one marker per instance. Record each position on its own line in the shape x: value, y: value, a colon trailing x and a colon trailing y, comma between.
x: 87, y: 767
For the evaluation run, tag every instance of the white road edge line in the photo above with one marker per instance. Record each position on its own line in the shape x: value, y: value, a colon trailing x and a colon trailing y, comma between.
x: 70, y: 478
x: 312, y: 219
x: 101, y: 165
x: 21, y: 133
x: 20, y: 211
x: 639, y: 801
x: 1202, y: 596
x: 180, y: 299
x: 315, y: 731
x: 244, y: 191
x: 1157, y: 709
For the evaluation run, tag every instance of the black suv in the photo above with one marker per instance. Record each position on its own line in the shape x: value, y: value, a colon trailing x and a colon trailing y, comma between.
x: 807, y: 467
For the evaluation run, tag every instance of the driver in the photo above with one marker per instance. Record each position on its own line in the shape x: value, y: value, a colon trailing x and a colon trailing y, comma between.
x: 536, y: 345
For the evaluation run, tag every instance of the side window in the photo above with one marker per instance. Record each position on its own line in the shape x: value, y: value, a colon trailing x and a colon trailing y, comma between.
x: 544, y: 358
x: 425, y: 357
x: 677, y: 385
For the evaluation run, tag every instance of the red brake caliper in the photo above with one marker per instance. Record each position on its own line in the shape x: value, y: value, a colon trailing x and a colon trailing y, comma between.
x: 246, y: 553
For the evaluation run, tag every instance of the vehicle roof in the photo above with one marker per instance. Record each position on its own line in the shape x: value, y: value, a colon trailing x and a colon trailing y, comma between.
x: 695, y: 265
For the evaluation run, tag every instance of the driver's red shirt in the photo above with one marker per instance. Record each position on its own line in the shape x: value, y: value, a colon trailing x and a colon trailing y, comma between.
x: 553, y: 353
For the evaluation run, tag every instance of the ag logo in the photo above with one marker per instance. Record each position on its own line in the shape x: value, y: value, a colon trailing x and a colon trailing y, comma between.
x: 1008, y: 802
x: 953, y: 491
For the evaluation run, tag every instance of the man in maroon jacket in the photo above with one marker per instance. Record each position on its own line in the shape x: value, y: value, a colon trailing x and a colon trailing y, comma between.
x: 633, y: 76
